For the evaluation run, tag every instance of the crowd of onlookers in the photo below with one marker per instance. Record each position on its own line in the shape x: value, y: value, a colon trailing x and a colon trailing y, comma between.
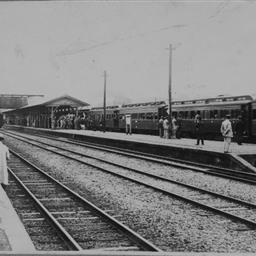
x: 166, y: 128
x: 71, y: 121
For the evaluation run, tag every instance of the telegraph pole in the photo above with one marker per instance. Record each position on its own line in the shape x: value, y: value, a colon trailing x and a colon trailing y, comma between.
x: 170, y: 85
x: 104, y: 102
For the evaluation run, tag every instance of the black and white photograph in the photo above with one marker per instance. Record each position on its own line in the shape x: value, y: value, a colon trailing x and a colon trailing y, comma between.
x: 127, y: 127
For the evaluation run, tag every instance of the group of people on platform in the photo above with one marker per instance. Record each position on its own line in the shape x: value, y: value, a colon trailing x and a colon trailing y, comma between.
x: 164, y: 127
x: 226, y: 129
x: 70, y: 121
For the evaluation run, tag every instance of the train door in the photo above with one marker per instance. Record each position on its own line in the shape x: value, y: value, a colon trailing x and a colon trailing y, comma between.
x: 116, y: 119
x: 246, y: 116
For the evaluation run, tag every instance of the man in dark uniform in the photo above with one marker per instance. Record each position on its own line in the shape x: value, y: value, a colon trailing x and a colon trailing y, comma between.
x: 199, y: 129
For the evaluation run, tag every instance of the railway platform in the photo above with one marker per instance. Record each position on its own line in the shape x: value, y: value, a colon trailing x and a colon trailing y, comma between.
x: 215, y: 146
x: 241, y: 157
x: 13, y: 237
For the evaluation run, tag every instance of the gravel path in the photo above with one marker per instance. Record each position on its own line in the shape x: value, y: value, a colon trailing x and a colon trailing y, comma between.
x: 169, y: 223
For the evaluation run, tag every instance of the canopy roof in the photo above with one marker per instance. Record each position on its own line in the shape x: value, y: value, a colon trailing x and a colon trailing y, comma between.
x: 64, y: 100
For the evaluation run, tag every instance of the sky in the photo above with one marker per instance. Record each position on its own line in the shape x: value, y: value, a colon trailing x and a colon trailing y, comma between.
x: 63, y: 47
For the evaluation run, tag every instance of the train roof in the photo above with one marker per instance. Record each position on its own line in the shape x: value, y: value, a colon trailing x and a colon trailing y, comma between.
x: 153, y: 103
x: 222, y: 100
x: 107, y: 107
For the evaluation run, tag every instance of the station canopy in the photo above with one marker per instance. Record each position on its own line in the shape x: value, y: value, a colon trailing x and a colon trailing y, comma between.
x: 64, y: 100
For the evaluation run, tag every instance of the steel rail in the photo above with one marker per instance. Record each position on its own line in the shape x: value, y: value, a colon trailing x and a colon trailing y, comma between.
x: 139, y: 240
x: 193, y: 202
x: 153, y: 175
x: 72, y: 244
x: 166, y: 160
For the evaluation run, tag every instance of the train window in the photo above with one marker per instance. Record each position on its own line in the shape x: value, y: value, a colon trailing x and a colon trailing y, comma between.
x: 207, y: 114
x: 142, y: 116
x: 216, y: 115
x: 174, y: 113
x: 232, y: 115
x: 185, y: 116
x: 134, y: 116
x: 192, y: 114
x: 203, y: 114
x: 149, y: 116
x: 235, y: 113
x: 224, y: 112
x: 181, y: 114
x: 254, y: 114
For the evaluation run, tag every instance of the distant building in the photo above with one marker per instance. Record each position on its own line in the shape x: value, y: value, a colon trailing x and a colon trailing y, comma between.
x: 14, y: 101
x: 44, y: 114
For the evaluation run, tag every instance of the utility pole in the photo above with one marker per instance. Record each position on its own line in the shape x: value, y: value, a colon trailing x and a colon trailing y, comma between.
x: 104, y: 102
x: 170, y: 86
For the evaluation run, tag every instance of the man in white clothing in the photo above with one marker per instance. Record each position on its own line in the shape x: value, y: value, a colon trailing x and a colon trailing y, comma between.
x: 166, y: 128
x: 4, y: 154
x: 227, y: 133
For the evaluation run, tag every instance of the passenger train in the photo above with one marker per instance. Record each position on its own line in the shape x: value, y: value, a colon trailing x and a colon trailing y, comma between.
x: 145, y: 116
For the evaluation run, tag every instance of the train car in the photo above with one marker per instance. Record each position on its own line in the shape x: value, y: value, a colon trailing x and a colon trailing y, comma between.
x: 96, y: 116
x: 144, y: 116
x: 213, y: 111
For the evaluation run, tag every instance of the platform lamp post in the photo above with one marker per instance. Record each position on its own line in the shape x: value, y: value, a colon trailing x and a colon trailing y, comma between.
x: 170, y: 89
x: 104, y: 102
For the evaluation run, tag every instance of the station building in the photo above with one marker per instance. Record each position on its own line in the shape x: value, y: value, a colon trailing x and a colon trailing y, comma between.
x: 45, y: 114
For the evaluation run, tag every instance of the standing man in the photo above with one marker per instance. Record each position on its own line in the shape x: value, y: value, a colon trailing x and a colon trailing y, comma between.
x: 161, y: 127
x: 166, y: 128
x: 227, y: 133
x: 128, y: 124
x: 4, y: 154
x: 199, y: 129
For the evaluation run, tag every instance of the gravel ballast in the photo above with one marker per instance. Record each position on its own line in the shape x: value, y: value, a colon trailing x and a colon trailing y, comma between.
x: 169, y: 223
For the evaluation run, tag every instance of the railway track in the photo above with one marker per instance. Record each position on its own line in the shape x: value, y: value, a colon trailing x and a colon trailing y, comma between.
x: 234, y: 209
x: 249, y: 178
x: 57, y: 218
